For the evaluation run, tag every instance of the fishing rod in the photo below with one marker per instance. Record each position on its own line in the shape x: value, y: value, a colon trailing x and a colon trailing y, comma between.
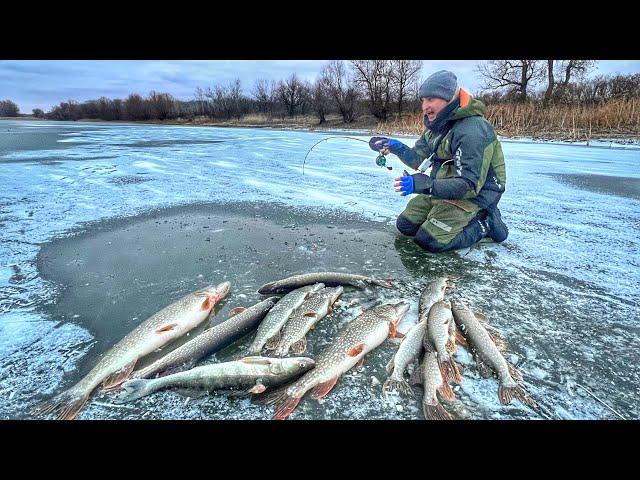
x: 381, y: 160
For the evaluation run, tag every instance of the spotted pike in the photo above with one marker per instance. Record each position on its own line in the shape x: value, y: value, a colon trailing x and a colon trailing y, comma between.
x: 330, y: 279
x: 117, y: 364
x: 367, y: 331
x: 258, y: 373
x: 438, y: 339
x: 269, y: 330
x: 433, y: 292
x: 312, y: 310
x: 433, y: 383
x: 208, y: 342
x: 490, y: 355
x: 408, y: 351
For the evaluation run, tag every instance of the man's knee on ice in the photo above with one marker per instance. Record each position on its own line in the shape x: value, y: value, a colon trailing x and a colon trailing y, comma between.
x: 406, y: 227
x: 427, y: 242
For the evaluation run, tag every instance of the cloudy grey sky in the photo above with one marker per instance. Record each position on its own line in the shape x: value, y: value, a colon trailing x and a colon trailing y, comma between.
x: 45, y: 83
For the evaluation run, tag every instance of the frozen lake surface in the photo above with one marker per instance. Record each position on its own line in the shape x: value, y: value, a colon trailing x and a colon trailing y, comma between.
x: 102, y: 225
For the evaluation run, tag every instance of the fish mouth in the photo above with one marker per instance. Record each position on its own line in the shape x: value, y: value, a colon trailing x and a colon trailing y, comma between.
x: 220, y: 291
x: 401, y: 308
x: 269, y: 288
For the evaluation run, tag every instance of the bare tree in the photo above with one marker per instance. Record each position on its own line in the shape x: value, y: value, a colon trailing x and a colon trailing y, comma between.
x: 200, y: 98
x: 341, y: 88
x: 135, y: 107
x: 515, y: 75
x: 574, y: 68
x: 261, y: 95
x: 265, y: 93
x: 291, y: 93
x: 569, y: 69
x: 235, y: 98
x: 320, y: 98
x: 160, y: 104
x: 403, y: 74
x: 550, y: 82
x: 38, y: 113
x: 374, y: 78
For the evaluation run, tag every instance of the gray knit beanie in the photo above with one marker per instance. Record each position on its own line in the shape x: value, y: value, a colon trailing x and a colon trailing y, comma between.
x: 442, y: 84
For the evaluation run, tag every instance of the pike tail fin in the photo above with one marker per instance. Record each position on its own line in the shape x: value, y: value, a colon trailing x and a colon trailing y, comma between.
x: 273, y: 342
x: 270, y: 397
x: 392, y: 385
x: 284, y: 405
x: 113, y: 381
x: 514, y: 372
x: 507, y: 394
x: 322, y: 389
x: 449, y: 370
x: 65, y: 406
x: 435, y: 412
x: 460, y: 339
x: 498, y: 341
x: 447, y: 392
x: 300, y: 346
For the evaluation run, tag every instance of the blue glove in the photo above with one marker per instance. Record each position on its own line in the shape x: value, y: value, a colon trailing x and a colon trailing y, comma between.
x: 416, y: 183
x: 378, y: 143
x: 404, y: 185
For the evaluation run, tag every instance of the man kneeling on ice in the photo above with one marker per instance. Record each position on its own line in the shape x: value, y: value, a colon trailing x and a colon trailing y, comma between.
x: 457, y: 201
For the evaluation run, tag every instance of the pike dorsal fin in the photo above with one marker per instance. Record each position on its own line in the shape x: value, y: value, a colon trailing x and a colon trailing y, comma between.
x: 167, y: 327
x: 236, y: 311
x: 481, y: 317
x: 256, y: 360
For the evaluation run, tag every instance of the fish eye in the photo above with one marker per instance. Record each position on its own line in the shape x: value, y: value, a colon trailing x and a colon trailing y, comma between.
x: 301, y: 365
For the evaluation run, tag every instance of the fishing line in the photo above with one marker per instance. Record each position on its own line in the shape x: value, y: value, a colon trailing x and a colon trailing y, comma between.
x: 603, y: 403
x: 379, y: 162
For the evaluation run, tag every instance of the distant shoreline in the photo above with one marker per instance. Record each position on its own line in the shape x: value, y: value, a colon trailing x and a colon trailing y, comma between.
x: 364, y: 125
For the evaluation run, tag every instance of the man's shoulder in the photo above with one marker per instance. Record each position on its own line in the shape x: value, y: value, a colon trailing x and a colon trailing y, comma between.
x: 477, y: 127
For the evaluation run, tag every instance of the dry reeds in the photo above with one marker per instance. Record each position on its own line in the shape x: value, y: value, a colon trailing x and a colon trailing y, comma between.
x: 613, y: 118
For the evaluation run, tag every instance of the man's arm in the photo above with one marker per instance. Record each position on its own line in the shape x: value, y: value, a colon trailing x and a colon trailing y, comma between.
x: 411, y: 157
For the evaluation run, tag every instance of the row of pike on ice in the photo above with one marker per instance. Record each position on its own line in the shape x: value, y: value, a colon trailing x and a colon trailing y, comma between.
x: 282, y: 325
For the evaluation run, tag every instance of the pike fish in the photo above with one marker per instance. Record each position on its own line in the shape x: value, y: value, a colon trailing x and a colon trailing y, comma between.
x: 367, y: 331
x: 438, y: 339
x: 210, y: 341
x: 433, y: 292
x: 312, y: 310
x: 408, y: 351
x: 255, y: 373
x: 269, y: 330
x: 429, y: 374
x: 487, y: 351
x: 117, y: 364
x: 330, y: 279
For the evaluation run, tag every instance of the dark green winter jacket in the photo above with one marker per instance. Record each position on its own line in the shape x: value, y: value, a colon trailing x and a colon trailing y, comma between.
x: 465, y: 156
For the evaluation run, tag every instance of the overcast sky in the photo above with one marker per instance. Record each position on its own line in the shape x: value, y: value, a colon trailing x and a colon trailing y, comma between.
x: 43, y: 84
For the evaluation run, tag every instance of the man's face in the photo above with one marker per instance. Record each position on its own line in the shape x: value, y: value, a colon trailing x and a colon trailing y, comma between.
x: 431, y: 107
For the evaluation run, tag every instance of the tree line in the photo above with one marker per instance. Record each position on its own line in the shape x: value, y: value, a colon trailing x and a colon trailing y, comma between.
x: 349, y: 89
x: 553, y: 81
x: 381, y: 88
